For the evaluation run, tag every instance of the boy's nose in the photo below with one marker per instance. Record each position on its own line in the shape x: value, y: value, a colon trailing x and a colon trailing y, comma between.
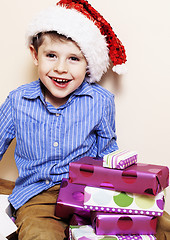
x: 60, y: 67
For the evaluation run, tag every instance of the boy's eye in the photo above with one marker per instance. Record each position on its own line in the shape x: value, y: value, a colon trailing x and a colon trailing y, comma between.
x: 74, y: 58
x: 51, y: 55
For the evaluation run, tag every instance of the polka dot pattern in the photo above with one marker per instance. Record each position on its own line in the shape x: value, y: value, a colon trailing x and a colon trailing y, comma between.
x: 160, y: 203
x: 109, y: 224
x: 144, y: 202
x: 78, y: 196
x: 125, y: 223
x: 129, y: 176
x: 102, y: 200
x: 138, y: 178
x: 86, y: 170
x: 70, y: 200
x: 99, y: 199
x: 123, y: 200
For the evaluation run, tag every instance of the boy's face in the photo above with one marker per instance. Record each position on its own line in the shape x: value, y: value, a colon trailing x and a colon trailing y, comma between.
x: 61, y: 67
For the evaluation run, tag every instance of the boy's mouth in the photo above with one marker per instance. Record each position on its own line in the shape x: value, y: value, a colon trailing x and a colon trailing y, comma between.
x: 60, y: 80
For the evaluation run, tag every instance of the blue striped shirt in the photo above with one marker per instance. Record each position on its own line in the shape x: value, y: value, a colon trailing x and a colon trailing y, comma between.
x: 48, y: 139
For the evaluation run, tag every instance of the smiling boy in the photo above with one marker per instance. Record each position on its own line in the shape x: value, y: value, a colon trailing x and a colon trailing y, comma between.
x: 61, y: 117
x: 61, y: 67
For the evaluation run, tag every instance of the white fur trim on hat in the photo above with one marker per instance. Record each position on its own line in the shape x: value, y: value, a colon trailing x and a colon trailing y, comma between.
x: 83, y: 31
x: 120, y: 69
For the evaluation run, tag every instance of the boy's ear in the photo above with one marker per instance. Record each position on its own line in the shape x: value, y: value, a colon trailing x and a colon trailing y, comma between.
x: 34, y: 54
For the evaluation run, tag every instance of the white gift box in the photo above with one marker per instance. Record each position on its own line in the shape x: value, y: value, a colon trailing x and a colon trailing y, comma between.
x: 104, y: 200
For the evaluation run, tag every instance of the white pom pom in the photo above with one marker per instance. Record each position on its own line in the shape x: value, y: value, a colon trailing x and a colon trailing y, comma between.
x: 120, y: 69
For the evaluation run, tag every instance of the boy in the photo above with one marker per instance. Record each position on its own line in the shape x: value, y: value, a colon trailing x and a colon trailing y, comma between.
x: 64, y: 115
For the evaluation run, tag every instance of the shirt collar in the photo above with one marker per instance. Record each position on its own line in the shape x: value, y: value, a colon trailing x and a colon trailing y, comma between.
x: 84, y: 89
x: 35, y: 90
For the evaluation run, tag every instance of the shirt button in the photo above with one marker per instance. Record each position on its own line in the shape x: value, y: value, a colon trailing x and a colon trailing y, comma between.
x: 55, y: 144
x: 57, y: 114
x: 47, y: 181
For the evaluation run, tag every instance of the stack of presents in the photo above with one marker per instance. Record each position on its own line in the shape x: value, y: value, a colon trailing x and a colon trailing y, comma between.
x: 113, y: 198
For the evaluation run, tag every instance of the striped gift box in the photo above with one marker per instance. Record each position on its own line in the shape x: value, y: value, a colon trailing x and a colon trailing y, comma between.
x: 120, y: 159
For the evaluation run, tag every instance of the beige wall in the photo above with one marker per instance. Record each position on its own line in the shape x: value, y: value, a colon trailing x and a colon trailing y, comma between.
x: 142, y: 95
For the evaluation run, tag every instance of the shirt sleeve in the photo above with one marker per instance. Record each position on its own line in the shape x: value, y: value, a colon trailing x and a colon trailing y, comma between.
x: 106, y: 132
x: 7, y: 132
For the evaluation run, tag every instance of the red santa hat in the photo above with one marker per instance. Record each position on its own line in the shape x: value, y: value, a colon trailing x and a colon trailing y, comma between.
x: 78, y: 20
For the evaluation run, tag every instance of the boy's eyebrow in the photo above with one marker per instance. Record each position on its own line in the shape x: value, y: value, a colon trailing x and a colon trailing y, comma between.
x: 78, y: 54
x: 49, y: 50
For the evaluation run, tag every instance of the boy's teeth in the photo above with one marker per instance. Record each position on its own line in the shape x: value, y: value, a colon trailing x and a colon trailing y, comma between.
x: 60, y: 80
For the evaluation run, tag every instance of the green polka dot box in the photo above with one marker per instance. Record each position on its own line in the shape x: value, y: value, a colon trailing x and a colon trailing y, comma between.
x: 105, y: 200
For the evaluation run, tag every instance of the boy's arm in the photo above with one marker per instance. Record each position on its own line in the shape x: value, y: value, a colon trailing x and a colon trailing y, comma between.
x: 7, y: 132
x: 106, y: 135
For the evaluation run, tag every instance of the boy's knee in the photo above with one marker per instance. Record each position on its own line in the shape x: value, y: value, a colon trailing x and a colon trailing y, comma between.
x: 40, y: 229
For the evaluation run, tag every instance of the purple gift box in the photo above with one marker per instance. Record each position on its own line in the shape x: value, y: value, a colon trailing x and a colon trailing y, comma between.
x: 70, y: 201
x: 108, y: 224
x: 138, y: 178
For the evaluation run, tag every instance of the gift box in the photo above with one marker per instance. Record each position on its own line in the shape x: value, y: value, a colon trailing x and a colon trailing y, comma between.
x: 98, y: 199
x: 87, y: 233
x: 138, y: 178
x: 109, y: 223
x: 120, y: 159
x: 70, y: 201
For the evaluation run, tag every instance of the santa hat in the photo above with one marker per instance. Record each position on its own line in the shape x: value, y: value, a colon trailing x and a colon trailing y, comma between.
x: 78, y: 20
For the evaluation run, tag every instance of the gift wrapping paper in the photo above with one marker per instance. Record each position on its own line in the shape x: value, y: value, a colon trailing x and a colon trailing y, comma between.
x: 79, y: 220
x: 138, y: 178
x: 109, y: 223
x: 98, y: 199
x: 120, y: 159
x: 87, y: 233
x: 70, y: 201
